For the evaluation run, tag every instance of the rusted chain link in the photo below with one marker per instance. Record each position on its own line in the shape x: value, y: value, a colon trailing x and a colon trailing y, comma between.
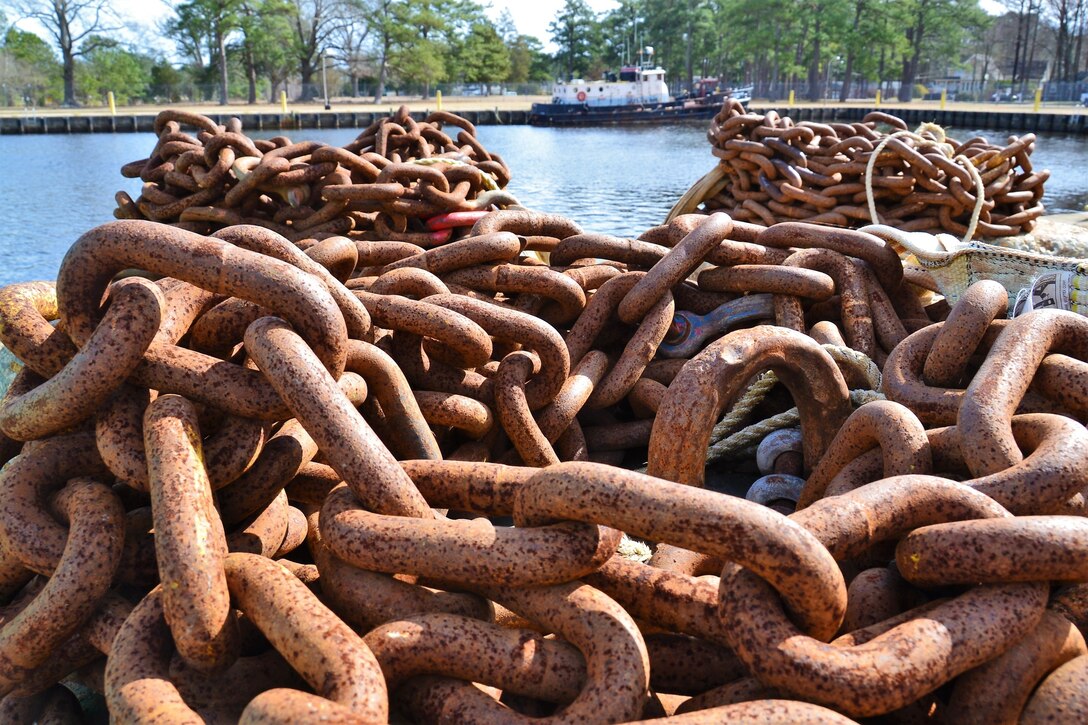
x: 771, y: 170
x: 378, y: 475
x: 402, y: 178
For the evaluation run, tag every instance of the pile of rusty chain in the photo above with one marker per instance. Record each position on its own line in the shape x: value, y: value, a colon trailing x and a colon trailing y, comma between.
x: 276, y: 485
x: 774, y: 170
x: 401, y: 179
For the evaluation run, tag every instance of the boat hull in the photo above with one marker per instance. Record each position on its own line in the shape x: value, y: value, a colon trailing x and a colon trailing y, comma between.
x: 564, y: 114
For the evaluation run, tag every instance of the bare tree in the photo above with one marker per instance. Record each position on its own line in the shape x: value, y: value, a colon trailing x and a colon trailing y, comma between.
x: 349, y: 40
x: 315, y: 24
x: 70, y: 23
x: 1067, y: 16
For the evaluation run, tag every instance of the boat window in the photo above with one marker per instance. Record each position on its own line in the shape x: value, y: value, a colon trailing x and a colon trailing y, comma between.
x: 601, y: 89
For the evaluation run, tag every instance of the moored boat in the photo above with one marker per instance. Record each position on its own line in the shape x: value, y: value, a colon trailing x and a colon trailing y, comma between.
x: 635, y: 95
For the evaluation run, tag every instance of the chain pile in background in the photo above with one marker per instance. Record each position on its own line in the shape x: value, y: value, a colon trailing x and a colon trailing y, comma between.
x: 401, y: 180
x: 773, y: 170
x: 365, y: 480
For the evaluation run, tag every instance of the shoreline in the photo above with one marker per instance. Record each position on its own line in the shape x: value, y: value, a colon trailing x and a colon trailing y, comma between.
x: 518, y: 103
x: 514, y: 110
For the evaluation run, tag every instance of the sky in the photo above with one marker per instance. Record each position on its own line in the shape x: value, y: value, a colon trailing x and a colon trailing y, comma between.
x: 533, y: 16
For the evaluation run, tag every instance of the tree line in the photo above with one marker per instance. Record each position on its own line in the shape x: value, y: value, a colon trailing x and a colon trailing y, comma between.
x: 856, y: 46
x: 74, y: 51
x: 253, y: 49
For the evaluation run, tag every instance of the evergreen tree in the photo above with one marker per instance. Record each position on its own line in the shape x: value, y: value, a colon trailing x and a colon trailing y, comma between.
x: 574, y: 30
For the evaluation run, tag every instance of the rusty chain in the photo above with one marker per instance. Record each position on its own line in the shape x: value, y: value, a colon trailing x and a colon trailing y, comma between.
x: 772, y: 170
x: 400, y: 179
x: 360, y: 477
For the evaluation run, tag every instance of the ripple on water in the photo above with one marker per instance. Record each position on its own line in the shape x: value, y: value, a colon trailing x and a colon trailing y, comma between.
x: 614, y: 180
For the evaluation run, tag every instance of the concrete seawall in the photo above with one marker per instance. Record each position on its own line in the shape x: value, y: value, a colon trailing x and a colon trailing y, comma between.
x: 144, y: 123
x: 1021, y: 121
x: 1074, y: 123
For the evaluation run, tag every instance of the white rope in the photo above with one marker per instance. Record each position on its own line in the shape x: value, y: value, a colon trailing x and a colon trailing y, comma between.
x: 980, y: 195
x: 947, y: 150
x: 633, y: 549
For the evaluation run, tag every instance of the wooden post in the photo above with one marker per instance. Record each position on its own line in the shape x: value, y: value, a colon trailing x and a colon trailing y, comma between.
x: 112, y: 103
x: 791, y: 98
x: 878, y: 98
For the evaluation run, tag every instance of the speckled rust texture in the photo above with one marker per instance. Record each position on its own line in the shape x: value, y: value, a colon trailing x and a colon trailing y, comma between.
x: 310, y: 476
x: 1020, y: 549
x: 1061, y: 697
x: 519, y: 661
x: 189, y: 541
x: 884, y: 424
x: 323, y: 649
x: 712, y: 381
x: 732, y: 528
x: 1002, y: 380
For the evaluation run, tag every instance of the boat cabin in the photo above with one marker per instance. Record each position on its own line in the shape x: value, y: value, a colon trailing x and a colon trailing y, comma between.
x: 634, y: 86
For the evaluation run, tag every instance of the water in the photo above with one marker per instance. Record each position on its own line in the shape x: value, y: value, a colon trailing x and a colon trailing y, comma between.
x: 616, y: 180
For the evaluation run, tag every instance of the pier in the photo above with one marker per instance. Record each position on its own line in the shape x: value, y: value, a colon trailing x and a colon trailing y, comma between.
x: 144, y: 122
x: 1058, y: 120
x: 1020, y: 118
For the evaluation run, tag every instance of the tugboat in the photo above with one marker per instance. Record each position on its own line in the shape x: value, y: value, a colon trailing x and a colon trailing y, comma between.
x: 638, y: 95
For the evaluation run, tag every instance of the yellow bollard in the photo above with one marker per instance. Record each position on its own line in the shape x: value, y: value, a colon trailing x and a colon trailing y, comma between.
x: 1038, y: 99
x: 944, y: 97
x: 878, y: 97
x: 111, y: 102
x: 791, y: 99
x: 283, y: 101
x: 438, y: 99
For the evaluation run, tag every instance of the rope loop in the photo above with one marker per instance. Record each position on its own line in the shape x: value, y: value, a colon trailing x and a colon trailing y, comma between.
x: 947, y: 150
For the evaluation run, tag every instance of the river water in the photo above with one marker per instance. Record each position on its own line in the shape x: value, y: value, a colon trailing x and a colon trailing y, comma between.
x: 615, y: 180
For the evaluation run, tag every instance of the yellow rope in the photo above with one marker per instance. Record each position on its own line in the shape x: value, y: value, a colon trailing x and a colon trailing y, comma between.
x: 747, y: 402
x: 724, y: 443
x: 862, y: 362
x: 742, y: 444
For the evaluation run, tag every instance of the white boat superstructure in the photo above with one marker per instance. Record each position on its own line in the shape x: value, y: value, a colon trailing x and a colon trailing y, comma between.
x: 633, y: 86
